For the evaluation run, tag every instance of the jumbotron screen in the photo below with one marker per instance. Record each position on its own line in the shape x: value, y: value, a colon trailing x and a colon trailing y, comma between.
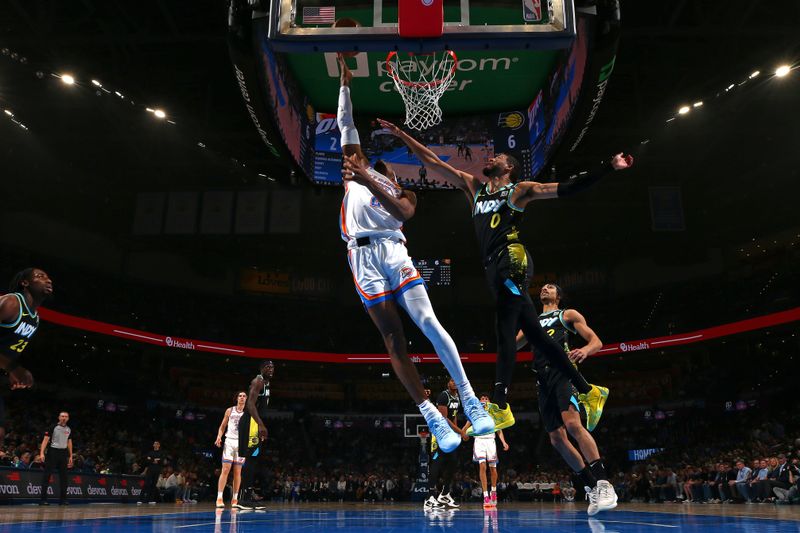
x: 435, y: 272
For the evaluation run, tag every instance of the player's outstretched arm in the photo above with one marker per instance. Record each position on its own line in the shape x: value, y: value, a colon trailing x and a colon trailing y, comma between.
x: 527, y: 191
x: 593, y: 342
x: 427, y: 157
x: 402, y: 207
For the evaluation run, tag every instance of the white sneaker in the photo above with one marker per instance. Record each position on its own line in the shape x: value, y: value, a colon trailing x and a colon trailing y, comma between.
x: 447, y: 500
x: 606, y: 496
x: 432, y: 504
x: 591, y: 495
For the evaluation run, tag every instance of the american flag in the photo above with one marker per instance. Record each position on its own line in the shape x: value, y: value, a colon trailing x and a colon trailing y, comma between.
x: 319, y: 15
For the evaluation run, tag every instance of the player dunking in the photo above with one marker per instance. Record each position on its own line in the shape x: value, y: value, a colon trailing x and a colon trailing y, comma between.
x: 371, y: 221
x: 19, y: 321
x: 253, y: 434
x: 484, y: 452
x: 498, y: 201
x: 230, y: 453
x: 557, y: 404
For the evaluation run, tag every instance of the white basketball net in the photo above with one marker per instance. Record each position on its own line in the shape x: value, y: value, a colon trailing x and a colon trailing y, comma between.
x: 421, y: 80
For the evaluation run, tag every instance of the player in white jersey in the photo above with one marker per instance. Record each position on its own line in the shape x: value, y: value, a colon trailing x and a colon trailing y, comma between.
x: 484, y: 452
x: 230, y: 452
x: 374, y: 208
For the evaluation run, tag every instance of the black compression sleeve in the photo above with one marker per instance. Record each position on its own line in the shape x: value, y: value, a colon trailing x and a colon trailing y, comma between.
x: 581, y: 182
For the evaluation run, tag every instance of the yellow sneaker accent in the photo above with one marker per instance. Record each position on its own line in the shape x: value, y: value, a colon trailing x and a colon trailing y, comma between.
x: 503, y: 418
x: 593, y: 401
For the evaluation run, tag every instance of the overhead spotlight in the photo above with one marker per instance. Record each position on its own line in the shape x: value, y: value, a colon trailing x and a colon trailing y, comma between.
x: 697, y: 104
x: 684, y: 109
x: 755, y: 74
x: 782, y: 70
x: 119, y: 94
x: 729, y: 87
x: 9, y: 113
x: 96, y: 83
x: 670, y: 119
x: 66, y: 78
x: 149, y: 110
x: 159, y: 113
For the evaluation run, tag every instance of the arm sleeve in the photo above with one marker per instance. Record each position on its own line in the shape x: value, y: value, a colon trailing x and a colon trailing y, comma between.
x: 580, y: 182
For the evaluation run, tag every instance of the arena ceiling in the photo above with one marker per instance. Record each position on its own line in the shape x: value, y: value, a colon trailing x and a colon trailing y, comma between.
x: 86, y: 156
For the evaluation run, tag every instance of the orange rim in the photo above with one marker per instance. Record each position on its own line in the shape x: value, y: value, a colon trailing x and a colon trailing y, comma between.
x: 407, y: 83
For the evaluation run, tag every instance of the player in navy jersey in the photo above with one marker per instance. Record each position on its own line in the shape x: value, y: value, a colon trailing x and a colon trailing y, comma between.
x: 19, y: 321
x: 558, y: 405
x: 498, y: 200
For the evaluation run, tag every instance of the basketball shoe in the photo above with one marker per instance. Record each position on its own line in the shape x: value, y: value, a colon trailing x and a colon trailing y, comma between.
x: 482, y: 422
x: 447, y: 439
x: 593, y: 401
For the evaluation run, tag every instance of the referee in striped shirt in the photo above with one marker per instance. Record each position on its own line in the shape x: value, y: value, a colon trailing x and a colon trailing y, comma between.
x: 58, y: 444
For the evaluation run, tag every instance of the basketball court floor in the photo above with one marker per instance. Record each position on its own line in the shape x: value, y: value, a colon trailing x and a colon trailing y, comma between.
x: 366, y: 518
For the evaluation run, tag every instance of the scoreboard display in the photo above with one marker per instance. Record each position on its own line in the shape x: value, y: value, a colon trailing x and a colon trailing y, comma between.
x: 435, y: 272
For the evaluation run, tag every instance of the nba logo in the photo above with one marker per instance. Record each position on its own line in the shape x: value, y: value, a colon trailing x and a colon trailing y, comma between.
x: 532, y: 10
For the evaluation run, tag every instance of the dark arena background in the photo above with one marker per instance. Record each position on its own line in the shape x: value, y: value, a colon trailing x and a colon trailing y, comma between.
x: 173, y: 173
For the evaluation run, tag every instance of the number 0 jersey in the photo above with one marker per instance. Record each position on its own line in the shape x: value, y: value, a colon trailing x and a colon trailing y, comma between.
x: 14, y: 336
x: 495, y: 218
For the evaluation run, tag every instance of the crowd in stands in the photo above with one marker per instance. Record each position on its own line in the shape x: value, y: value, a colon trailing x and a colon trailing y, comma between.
x: 705, y: 458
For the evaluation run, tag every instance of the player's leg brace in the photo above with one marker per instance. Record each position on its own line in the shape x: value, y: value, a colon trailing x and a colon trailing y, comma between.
x: 418, y: 306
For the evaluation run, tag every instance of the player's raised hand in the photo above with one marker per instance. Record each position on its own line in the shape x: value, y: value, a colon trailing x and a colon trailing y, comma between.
x: 621, y: 161
x: 391, y: 128
x: 344, y: 71
x: 353, y: 169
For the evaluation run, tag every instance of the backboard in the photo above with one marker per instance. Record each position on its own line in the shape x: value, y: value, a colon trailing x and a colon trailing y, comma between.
x: 523, y: 69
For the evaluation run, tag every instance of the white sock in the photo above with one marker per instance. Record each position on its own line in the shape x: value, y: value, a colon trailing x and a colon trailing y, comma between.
x: 344, y: 118
x: 494, y: 489
x: 429, y: 411
x: 219, y: 495
x: 485, y: 494
x: 418, y: 306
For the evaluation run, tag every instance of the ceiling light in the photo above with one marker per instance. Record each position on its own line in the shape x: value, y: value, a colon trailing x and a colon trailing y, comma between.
x: 697, y: 104
x: 66, y: 78
x: 159, y: 113
x: 684, y: 109
x: 96, y: 83
x: 782, y: 71
x: 9, y: 113
x: 754, y: 74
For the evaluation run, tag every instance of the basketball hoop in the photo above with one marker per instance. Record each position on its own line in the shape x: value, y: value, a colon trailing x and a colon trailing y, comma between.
x: 421, y: 79
x: 423, y: 435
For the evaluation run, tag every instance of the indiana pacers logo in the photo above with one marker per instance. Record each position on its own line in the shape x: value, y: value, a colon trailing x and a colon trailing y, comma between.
x: 513, y: 120
x: 427, y: 3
